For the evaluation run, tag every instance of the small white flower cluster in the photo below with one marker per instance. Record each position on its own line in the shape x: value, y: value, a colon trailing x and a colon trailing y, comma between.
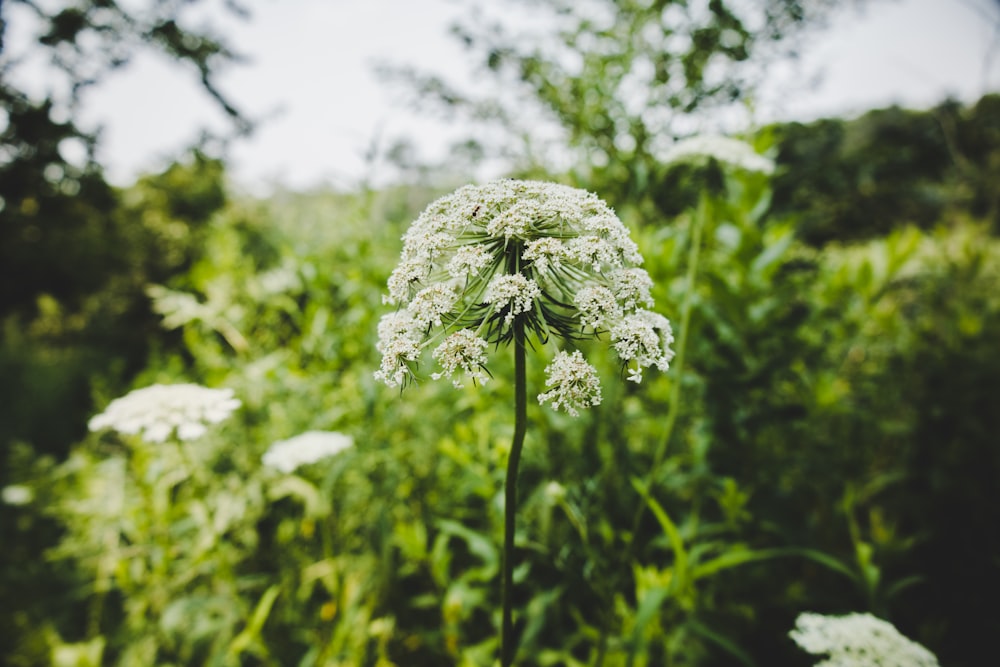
x: 574, y: 383
x: 305, y: 448
x: 554, y: 258
x: 733, y: 152
x: 462, y: 351
x: 158, y: 411
x: 858, y: 640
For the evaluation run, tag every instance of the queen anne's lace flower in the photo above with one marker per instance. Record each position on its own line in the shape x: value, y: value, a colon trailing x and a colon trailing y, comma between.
x: 305, y: 448
x: 574, y: 383
x: 468, y: 261
x: 462, y: 351
x: 551, y: 259
x: 643, y: 337
x: 858, y: 640
x: 545, y: 254
x: 512, y: 294
x: 158, y: 411
x: 431, y: 303
x: 399, y: 342
x: 632, y: 287
x: 598, y: 306
x: 730, y: 151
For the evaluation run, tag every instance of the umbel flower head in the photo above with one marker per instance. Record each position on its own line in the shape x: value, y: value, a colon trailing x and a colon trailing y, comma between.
x: 158, y: 411
x: 858, y: 640
x: 305, y: 448
x: 700, y: 148
x: 553, y: 259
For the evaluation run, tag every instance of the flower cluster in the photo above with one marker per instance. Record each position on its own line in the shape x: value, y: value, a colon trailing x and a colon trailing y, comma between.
x: 158, y: 411
x: 858, y: 640
x: 305, y: 448
x: 551, y: 258
x: 723, y: 149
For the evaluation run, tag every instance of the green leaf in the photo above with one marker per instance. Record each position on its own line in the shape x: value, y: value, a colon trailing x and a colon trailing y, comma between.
x: 670, y: 529
x: 253, y: 627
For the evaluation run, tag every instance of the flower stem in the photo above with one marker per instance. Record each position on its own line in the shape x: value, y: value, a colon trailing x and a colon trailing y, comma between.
x: 507, y: 647
x: 677, y: 367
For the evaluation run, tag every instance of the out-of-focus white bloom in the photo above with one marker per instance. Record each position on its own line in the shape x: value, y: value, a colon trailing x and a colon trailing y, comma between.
x: 733, y: 152
x: 858, y: 640
x: 462, y: 351
x: 158, y: 411
x: 305, y: 448
x: 279, y: 280
x: 555, y: 491
x: 574, y: 383
x: 17, y: 494
x: 554, y: 259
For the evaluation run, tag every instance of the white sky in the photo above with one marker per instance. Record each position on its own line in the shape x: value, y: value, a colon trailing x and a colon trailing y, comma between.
x: 311, y: 73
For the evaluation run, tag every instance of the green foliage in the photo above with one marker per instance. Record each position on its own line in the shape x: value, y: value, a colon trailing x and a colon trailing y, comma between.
x: 76, y: 313
x: 830, y: 449
x: 860, y: 179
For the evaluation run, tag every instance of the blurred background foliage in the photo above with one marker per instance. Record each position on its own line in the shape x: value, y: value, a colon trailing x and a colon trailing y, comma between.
x: 828, y: 444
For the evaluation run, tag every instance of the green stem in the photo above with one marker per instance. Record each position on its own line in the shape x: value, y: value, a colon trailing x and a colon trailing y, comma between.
x: 677, y: 367
x: 507, y: 648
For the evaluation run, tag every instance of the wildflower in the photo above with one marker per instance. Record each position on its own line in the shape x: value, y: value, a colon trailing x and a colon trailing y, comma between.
x: 733, y: 152
x: 17, y: 494
x: 512, y: 294
x: 574, y: 383
x: 305, y: 448
x: 858, y: 640
x: 399, y: 343
x: 550, y: 259
x: 597, y: 306
x: 631, y: 287
x: 545, y: 253
x: 643, y: 337
x: 464, y: 351
x: 158, y: 411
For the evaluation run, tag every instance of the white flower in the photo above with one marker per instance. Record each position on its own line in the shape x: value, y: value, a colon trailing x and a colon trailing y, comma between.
x: 515, y: 221
x: 468, y: 260
x: 734, y: 152
x: 593, y: 250
x: 644, y: 337
x: 306, y: 448
x: 431, y: 303
x: 462, y: 351
x: 404, y: 278
x: 597, y: 306
x: 17, y: 494
x: 632, y: 287
x: 512, y: 292
x: 487, y: 258
x: 546, y: 253
x: 858, y: 640
x: 399, y: 342
x: 574, y: 383
x: 157, y: 411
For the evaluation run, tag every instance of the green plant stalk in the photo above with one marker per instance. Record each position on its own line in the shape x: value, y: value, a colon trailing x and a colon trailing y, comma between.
x: 507, y: 648
x: 682, y: 338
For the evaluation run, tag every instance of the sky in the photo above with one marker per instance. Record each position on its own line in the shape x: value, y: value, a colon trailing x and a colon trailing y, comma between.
x: 310, y: 79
